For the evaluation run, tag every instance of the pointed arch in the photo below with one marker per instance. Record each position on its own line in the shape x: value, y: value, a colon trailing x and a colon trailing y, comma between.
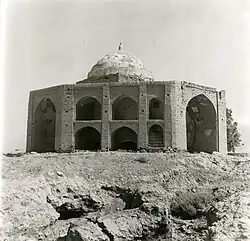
x: 124, y: 138
x: 88, y: 108
x: 155, y: 136
x: 125, y: 108
x: 156, y: 110
x: 201, y: 128
x: 44, y: 126
x: 88, y: 138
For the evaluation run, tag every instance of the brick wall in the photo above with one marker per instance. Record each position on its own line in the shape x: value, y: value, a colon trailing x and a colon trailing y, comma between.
x: 167, y: 116
x: 35, y: 98
x: 29, y: 123
x: 222, y: 121
x: 143, y: 115
x: 177, y: 116
x: 106, y: 115
x: 174, y: 96
x: 67, y: 141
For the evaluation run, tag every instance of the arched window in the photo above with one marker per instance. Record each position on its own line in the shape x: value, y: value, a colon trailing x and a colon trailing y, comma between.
x: 124, y: 138
x: 88, y: 108
x: 155, y: 136
x: 201, y: 125
x: 125, y: 108
x: 156, y: 109
x: 88, y: 138
x: 44, y: 126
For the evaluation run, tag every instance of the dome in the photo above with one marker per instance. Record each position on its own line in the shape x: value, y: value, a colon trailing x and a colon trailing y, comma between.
x: 121, y: 62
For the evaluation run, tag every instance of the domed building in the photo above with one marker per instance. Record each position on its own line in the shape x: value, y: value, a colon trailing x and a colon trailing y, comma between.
x: 121, y: 106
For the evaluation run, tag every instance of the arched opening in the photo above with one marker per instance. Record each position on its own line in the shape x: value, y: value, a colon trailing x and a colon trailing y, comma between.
x: 156, y: 109
x: 125, y: 108
x: 201, y: 125
x: 124, y: 138
x: 44, y: 126
x: 88, y: 138
x: 155, y: 136
x: 88, y: 108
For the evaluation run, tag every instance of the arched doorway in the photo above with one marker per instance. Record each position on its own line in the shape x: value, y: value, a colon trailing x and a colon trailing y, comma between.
x: 156, y: 109
x: 124, y: 138
x: 88, y: 108
x: 124, y: 108
x: 88, y: 138
x: 44, y: 126
x: 155, y: 136
x: 201, y: 125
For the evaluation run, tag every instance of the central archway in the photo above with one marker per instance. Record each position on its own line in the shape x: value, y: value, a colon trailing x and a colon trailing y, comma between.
x: 44, y: 126
x: 88, y: 138
x: 124, y: 138
x: 125, y: 108
x: 88, y: 108
x: 201, y: 128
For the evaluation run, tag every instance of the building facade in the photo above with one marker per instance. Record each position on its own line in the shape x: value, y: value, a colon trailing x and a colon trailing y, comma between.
x: 120, y: 106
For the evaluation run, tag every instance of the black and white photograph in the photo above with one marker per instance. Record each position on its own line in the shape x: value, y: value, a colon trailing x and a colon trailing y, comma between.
x: 125, y: 120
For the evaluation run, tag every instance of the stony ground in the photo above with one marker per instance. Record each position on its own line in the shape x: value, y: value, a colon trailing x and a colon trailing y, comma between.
x: 125, y: 196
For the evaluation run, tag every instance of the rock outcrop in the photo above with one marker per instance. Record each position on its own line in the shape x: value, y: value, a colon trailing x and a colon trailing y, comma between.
x: 125, y: 196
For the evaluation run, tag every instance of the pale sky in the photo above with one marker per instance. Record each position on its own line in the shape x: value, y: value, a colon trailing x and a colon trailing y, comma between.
x: 48, y: 43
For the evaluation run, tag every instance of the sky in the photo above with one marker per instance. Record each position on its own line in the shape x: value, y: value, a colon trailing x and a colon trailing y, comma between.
x: 46, y: 43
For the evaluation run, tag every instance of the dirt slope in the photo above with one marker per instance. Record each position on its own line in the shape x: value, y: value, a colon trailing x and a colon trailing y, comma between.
x: 125, y: 196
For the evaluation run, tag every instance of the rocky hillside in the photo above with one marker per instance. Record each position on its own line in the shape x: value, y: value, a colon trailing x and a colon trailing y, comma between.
x: 125, y: 196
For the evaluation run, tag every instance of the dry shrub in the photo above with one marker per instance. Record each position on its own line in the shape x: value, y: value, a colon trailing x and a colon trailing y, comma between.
x: 18, y: 154
x: 141, y: 159
x: 190, y: 205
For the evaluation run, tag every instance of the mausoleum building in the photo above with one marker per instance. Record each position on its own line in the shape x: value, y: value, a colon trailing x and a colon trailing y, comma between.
x: 120, y: 106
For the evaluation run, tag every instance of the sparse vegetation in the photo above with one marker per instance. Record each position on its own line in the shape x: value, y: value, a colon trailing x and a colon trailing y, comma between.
x: 141, y: 159
x: 233, y: 134
x: 190, y: 205
x: 120, y: 195
x: 18, y: 154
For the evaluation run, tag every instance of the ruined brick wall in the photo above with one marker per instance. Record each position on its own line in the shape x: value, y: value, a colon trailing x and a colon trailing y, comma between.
x: 66, y: 135
x: 143, y: 116
x: 173, y: 97
x: 177, y: 116
x: 155, y: 116
x: 35, y: 98
x: 204, y: 142
x: 106, y: 113
x: 222, y: 121
x: 107, y: 94
x: 168, y: 128
x: 185, y: 92
x: 132, y: 91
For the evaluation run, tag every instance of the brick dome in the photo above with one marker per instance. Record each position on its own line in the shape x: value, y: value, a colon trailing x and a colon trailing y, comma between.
x: 121, y: 62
